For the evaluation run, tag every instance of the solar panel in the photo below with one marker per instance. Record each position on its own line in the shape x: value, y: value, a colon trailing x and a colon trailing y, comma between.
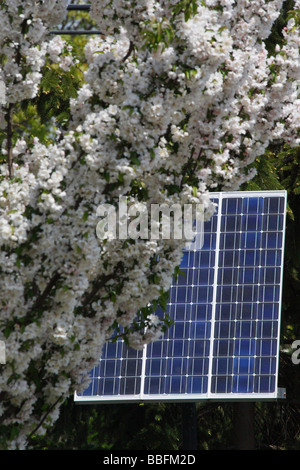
x: 224, y: 343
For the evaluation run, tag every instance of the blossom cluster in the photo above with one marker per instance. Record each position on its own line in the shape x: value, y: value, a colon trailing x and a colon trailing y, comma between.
x: 175, y: 104
x: 24, y: 26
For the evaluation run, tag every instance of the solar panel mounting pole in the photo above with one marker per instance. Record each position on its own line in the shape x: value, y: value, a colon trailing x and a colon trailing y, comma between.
x: 69, y: 32
x: 243, y: 425
x: 78, y: 7
x: 189, y: 426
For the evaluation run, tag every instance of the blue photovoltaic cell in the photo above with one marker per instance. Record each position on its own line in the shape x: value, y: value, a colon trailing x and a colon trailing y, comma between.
x: 118, y: 372
x: 226, y: 310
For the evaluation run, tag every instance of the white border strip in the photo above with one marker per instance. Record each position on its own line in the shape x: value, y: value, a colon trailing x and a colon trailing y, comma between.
x: 214, y: 299
x: 142, y: 398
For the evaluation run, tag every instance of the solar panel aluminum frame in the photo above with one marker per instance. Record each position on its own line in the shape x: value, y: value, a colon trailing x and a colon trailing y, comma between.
x: 143, y: 397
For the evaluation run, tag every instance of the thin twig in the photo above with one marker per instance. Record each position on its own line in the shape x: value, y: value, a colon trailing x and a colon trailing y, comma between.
x: 44, y: 417
x: 131, y: 48
x: 186, y: 167
x: 42, y: 298
x: 100, y: 282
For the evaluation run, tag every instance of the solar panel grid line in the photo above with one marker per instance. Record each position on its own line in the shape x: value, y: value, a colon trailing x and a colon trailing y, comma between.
x: 224, y: 344
x: 214, y: 300
x: 143, y: 372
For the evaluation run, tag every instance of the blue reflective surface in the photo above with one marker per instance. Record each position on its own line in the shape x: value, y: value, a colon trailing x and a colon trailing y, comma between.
x: 234, y: 279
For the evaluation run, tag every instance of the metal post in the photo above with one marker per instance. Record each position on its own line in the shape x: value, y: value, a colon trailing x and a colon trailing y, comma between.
x: 189, y: 426
x: 78, y: 7
x: 77, y: 32
x: 243, y: 426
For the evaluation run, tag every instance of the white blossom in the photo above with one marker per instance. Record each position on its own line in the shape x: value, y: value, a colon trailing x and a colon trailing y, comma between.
x: 208, y: 97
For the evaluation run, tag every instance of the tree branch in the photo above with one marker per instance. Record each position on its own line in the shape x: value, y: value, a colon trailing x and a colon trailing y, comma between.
x: 44, y: 417
x: 41, y: 299
x: 131, y: 48
x: 100, y: 282
x: 186, y: 167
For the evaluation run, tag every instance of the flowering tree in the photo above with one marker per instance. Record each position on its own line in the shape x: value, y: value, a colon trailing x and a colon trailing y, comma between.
x: 179, y: 99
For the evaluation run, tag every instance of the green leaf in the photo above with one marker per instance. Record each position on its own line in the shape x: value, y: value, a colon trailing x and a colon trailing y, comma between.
x: 195, y: 191
x: 85, y: 216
